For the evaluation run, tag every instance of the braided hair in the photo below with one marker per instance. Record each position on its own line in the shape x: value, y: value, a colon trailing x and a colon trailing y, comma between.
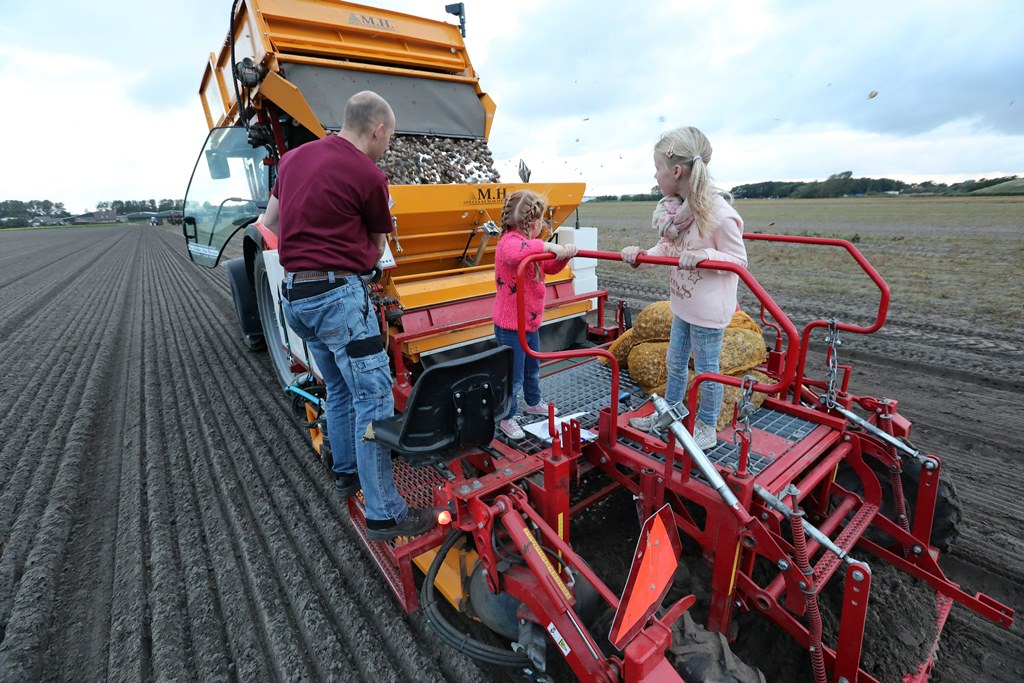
x: 522, y: 208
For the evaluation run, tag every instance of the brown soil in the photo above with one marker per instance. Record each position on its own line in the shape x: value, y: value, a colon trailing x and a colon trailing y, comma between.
x: 161, y: 517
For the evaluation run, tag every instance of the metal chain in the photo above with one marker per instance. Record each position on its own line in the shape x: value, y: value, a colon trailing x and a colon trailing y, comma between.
x: 745, y: 408
x: 832, y: 339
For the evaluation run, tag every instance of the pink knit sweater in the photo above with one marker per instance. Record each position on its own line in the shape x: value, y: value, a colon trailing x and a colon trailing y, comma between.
x: 513, y: 247
x: 704, y: 297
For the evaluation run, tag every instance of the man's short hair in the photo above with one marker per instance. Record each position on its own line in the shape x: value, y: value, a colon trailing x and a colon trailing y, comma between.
x: 365, y: 110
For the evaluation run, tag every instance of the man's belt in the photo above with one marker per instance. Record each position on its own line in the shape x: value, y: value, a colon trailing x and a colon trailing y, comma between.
x: 317, y: 275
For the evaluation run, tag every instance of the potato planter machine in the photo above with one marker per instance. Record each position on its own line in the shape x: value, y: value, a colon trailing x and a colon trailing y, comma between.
x: 776, y: 506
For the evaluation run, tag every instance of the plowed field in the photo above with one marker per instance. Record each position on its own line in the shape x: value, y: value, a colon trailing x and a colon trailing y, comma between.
x: 162, y: 518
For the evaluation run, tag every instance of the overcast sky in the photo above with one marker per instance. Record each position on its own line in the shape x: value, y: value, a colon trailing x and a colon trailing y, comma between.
x: 100, y: 99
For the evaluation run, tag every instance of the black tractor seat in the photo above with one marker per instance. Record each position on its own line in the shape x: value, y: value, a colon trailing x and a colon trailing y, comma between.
x: 454, y: 406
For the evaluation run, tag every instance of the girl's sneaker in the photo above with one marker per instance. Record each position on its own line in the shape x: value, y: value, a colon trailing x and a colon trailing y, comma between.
x: 511, y: 429
x: 539, y: 409
x: 644, y: 424
x: 705, y: 435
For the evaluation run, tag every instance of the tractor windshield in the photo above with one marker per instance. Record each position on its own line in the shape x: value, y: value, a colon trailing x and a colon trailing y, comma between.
x: 228, y: 190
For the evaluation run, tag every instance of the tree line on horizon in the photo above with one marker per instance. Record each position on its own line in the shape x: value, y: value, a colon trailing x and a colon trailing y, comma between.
x: 837, y: 185
x: 15, y: 213
x: 845, y: 185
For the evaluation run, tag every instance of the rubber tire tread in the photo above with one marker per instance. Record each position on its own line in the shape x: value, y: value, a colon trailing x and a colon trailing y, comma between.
x: 948, y: 509
x: 700, y: 656
x: 246, y: 309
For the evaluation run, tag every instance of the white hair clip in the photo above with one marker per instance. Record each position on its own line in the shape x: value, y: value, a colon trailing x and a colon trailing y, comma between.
x: 696, y: 158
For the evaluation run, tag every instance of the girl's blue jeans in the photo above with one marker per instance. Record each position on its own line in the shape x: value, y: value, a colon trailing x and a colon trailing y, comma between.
x: 705, y: 343
x: 525, y: 369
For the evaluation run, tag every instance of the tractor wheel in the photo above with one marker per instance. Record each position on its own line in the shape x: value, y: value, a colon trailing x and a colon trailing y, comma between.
x: 273, y: 333
x: 700, y: 656
x: 948, y: 511
x: 246, y: 309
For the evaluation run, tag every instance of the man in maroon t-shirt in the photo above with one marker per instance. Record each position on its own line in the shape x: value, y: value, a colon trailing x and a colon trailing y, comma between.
x: 331, y: 210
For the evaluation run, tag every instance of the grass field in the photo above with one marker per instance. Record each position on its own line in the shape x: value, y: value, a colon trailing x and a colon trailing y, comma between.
x: 946, y: 256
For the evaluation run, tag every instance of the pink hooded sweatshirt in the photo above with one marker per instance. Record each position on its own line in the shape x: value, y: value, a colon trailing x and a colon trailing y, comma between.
x: 699, y: 296
x: 513, y: 247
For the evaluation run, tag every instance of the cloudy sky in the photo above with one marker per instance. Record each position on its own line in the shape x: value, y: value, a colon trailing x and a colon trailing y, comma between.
x: 100, y: 98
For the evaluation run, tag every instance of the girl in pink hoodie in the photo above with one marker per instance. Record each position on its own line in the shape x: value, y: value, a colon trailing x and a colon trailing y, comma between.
x: 522, y: 219
x: 695, y: 224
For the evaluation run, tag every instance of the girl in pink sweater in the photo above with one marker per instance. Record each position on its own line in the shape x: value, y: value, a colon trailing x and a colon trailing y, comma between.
x: 522, y: 219
x: 695, y: 224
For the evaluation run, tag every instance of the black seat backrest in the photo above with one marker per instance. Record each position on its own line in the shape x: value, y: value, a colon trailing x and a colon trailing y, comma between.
x: 454, y: 405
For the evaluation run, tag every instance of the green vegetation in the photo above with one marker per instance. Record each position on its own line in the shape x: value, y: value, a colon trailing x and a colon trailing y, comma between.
x: 845, y: 185
x: 1010, y: 187
x: 16, y: 214
x: 123, y: 207
x: 941, y: 256
x: 43, y: 212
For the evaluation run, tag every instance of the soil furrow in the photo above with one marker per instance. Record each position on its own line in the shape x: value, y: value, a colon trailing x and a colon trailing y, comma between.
x: 224, y: 532
x: 203, y: 613
x: 321, y: 571
x: 79, y: 645
x: 172, y: 653
x: 37, y: 451
x: 172, y: 522
x: 128, y: 656
x: 254, y: 542
x: 320, y: 635
x: 28, y: 627
x: 43, y: 285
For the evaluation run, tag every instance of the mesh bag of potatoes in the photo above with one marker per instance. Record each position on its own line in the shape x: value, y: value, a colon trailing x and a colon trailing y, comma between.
x: 654, y: 322
x: 642, y: 349
x: 646, y: 363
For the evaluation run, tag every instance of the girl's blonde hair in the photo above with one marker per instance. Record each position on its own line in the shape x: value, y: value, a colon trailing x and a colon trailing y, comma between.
x: 521, y: 209
x: 689, y: 146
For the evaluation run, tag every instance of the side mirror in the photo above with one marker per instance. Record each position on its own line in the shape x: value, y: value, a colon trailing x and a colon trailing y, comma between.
x: 185, y: 223
x: 218, y: 164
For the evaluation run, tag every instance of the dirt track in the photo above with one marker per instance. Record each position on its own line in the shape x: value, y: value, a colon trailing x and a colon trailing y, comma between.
x: 160, y: 516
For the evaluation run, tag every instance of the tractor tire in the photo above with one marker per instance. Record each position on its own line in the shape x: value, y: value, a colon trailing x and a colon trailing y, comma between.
x: 273, y: 333
x: 948, y: 510
x: 246, y: 309
x: 700, y: 656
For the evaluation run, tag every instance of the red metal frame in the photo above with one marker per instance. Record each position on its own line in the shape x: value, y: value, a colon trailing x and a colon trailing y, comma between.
x: 534, y: 518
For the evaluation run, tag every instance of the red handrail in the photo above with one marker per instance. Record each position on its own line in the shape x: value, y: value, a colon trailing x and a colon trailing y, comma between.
x: 789, y: 370
x: 883, y: 288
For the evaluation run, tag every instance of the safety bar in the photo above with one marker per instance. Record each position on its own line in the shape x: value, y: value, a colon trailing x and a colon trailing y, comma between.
x: 789, y: 369
x: 883, y: 288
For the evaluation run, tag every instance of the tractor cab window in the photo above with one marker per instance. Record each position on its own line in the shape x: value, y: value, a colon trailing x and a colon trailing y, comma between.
x: 228, y: 190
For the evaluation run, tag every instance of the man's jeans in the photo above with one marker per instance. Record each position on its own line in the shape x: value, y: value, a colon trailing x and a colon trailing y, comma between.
x: 525, y: 369
x: 706, y: 345
x: 342, y: 333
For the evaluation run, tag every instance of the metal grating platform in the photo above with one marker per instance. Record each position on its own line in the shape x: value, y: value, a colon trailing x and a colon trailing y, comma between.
x: 586, y: 387
x: 781, y: 425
